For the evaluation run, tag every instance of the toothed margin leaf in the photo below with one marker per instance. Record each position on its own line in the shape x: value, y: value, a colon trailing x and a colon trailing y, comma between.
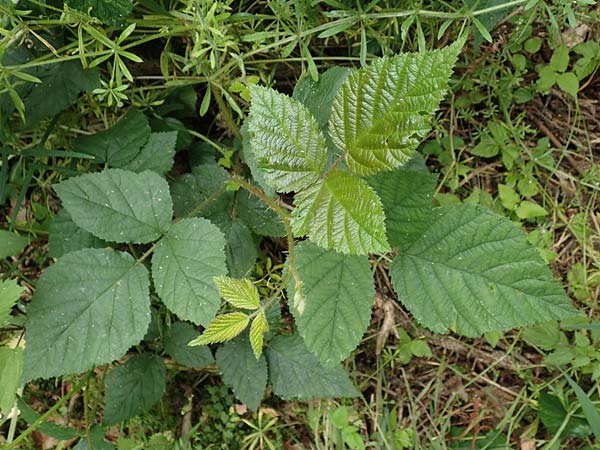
x: 381, y: 112
x: 223, y: 328
x: 118, y: 145
x: 64, y: 236
x: 156, y: 155
x: 343, y: 213
x: 134, y: 387
x: 289, y: 146
x: 407, y: 201
x: 473, y: 271
x: 10, y: 292
x: 110, y: 12
x: 204, y: 186
x: 246, y: 375
x: 257, y: 331
x: 241, y: 249
x: 338, y: 296
x: 11, y: 367
x: 177, y: 339
x: 295, y: 373
x: 89, y: 309
x: 119, y: 206
x: 260, y: 218
x: 240, y: 293
x: 250, y: 159
x: 11, y: 244
x: 183, y: 266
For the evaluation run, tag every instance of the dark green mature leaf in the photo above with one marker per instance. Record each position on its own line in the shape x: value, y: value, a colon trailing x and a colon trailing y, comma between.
x: 11, y: 243
x: 407, y: 201
x: 258, y: 216
x: 183, y: 266
x: 28, y: 414
x: 289, y: 146
x: 88, y: 310
x: 343, y: 213
x: 10, y: 292
x: 94, y: 441
x: 552, y: 414
x: 117, y: 205
x: 60, y: 86
x: 241, y: 249
x: 295, y: 373
x: 382, y: 111
x: 64, y: 236
x: 134, y: 387
x: 177, y: 339
x: 246, y: 375
x: 110, y: 12
x: 589, y: 409
x: 473, y: 271
x: 205, y: 187
x: 339, y: 294
x: 157, y: 154
x: 120, y: 144
x: 11, y: 367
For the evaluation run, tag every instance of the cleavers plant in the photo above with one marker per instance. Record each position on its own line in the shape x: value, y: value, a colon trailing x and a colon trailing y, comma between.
x: 345, y: 147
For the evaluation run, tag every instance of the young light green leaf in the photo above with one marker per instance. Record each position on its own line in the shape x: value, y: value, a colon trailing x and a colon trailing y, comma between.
x: 338, y: 297
x: 11, y: 368
x: 89, y: 309
x: 11, y: 243
x: 289, y: 146
x: 176, y: 346
x: 473, y: 272
x: 242, y: 371
x: 240, y: 293
x: 258, y: 328
x: 117, y: 205
x: 342, y: 213
x: 64, y: 236
x: 134, y: 387
x: 223, y: 328
x: 382, y: 111
x: 10, y: 292
x: 156, y: 155
x: 183, y: 266
x: 295, y: 373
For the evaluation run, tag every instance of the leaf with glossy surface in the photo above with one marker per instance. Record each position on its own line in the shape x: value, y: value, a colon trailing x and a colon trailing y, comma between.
x: 89, y: 309
x: 338, y: 297
x: 156, y: 155
x: 289, y: 146
x: 382, y: 111
x: 183, y: 266
x: 177, y: 339
x: 295, y: 373
x: 11, y: 243
x: 246, y: 375
x: 473, y: 271
x: 64, y: 236
x: 117, y: 205
x: 240, y: 293
x: 134, y: 387
x: 343, y: 213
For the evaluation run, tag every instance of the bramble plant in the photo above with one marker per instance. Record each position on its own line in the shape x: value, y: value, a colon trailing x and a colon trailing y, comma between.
x: 345, y: 146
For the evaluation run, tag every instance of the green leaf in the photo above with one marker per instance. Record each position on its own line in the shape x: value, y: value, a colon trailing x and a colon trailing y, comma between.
x: 295, y: 373
x: 338, y: 297
x: 118, y: 145
x: 473, y: 272
x: 509, y: 198
x: 240, y: 250
x: 243, y: 372
x: 343, y: 213
x: 530, y: 210
x: 117, y: 205
x: 156, y: 155
x: 88, y: 310
x: 552, y: 414
x: 250, y: 159
x: 568, y: 82
x: 289, y: 146
x: 223, y: 328
x: 589, y: 409
x: 94, y: 441
x: 261, y: 219
x: 240, y: 293
x: 177, y: 339
x: 183, y: 266
x: 110, y: 12
x: 134, y: 387
x: 205, y: 187
x: 382, y: 111
x: 259, y: 327
x: 11, y: 367
x: 11, y: 244
x: 10, y: 292
x: 60, y: 86
x: 407, y: 198
x: 65, y: 237
x: 560, y: 59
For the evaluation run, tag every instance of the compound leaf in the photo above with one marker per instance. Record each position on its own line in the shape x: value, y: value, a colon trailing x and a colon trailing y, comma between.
x: 240, y: 293
x: 134, y: 387
x: 223, y: 328
x: 295, y: 373
x: 382, y: 111
x: 258, y: 328
x: 64, y: 236
x: 89, y: 309
x: 338, y: 296
x: 473, y: 271
x: 242, y: 371
x: 343, y: 213
x: 117, y: 205
x: 183, y: 266
x: 157, y: 154
x: 10, y: 292
x: 289, y: 146
x: 177, y: 339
